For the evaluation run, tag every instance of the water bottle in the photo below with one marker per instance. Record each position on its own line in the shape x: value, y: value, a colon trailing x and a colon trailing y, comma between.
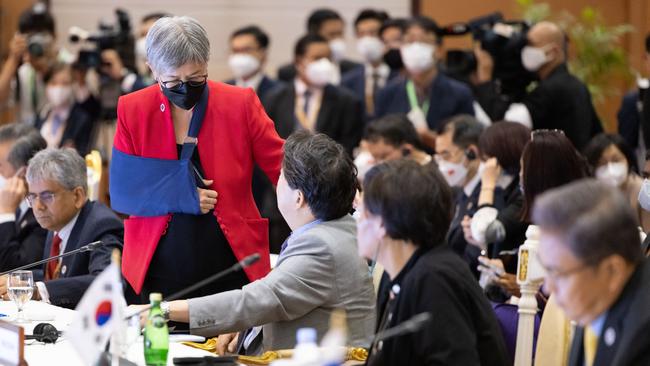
x: 156, y: 334
x: 306, y: 351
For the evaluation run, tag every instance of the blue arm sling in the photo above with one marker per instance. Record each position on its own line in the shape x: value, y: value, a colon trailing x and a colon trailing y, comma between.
x: 153, y: 187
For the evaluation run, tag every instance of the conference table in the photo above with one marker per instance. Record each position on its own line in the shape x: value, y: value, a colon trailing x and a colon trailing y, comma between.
x: 63, y: 352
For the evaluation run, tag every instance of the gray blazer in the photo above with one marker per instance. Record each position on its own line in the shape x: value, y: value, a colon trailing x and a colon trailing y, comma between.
x: 320, y: 270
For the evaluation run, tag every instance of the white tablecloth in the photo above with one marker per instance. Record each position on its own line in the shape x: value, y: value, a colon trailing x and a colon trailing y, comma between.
x: 63, y: 353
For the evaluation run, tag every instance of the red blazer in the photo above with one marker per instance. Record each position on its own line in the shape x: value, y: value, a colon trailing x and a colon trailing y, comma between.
x: 236, y: 133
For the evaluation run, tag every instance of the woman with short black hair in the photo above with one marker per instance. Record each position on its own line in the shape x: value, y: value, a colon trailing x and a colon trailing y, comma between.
x: 405, y: 214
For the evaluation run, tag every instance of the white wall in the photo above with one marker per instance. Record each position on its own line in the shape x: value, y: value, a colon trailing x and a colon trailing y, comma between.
x: 284, y: 20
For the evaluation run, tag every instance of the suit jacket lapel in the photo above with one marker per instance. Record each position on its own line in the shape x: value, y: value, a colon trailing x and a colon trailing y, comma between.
x: 616, y: 333
x: 324, y: 122
x: 46, y: 250
x: 287, y: 122
x: 73, y: 240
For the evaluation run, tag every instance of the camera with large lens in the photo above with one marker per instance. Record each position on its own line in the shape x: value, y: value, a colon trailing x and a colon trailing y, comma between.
x: 109, y: 36
x: 503, y: 40
x: 115, y: 36
x: 38, y: 43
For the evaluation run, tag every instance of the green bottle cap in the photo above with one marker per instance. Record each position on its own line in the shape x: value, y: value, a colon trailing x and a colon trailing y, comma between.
x: 155, y: 296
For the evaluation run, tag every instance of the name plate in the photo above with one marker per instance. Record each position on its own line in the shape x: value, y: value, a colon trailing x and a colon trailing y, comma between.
x: 12, y: 344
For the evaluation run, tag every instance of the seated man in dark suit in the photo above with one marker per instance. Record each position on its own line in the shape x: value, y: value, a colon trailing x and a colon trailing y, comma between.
x: 427, y: 95
x: 590, y: 247
x: 328, y: 24
x: 57, y: 194
x: 366, y: 81
x: 458, y: 158
x: 21, y: 238
x: 310, y: 102
x: 249, y: 47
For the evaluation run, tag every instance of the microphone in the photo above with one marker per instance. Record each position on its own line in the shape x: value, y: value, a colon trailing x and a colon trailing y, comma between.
x: 495, y: 232
x: 86, y: 248
x: 244, y: 263
x: 410, y: 326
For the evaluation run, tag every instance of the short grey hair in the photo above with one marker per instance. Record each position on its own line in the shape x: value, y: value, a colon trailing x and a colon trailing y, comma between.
x: 593, y: 219
x: 64, y: 166
x: 174, y: 41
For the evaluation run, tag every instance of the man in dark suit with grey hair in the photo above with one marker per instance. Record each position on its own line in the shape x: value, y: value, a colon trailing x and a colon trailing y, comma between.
x: 58, y: 196
x: 595, y: 269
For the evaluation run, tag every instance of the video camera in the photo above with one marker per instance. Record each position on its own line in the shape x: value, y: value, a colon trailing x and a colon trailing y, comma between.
x: 503, y: 40
x: 115, y: 36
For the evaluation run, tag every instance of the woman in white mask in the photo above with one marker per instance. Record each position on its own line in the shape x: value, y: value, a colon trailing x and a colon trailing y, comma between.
x: 613, y: 161
x: 63, y: 122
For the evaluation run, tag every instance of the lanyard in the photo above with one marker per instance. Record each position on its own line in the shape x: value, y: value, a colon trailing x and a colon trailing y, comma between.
x: 195, y: 124
x: 413, y: 98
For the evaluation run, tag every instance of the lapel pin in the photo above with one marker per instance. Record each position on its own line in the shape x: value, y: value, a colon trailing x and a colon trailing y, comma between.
x: 610, y: 336
x: 64, y: 268
x: 162, y: 107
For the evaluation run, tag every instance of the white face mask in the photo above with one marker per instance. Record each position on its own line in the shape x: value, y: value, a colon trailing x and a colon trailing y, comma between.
x: 337, y: 46
x: 533, y: 58
x: 320, y: 72
x: 243, y: 65
x: 644, y: 195
x: 417, y: 56
x: 140, y: 48
x: 613, y: 174
x: 370, y: 48
x: 58, y: 95
x: 454, y: 173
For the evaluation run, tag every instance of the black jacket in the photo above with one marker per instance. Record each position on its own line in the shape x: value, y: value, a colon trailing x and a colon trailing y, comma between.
x: 624, y: 338
x: 21, y: 242
x: 463, y: 329
x: 560, y: 101
x: 95, y: 222
x: 340, y: 115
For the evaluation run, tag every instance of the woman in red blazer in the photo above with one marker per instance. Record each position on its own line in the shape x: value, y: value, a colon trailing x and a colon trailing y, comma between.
x: 186, y: 180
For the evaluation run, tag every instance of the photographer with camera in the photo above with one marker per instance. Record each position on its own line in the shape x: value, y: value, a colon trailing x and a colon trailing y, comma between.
x: 560, y: 101
x: 31, y: 52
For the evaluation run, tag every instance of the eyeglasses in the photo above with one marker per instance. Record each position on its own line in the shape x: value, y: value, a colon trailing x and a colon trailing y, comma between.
x: 556, y: 274
x: 177, y: 84
x: 544, y: 132
x: 46, y: 198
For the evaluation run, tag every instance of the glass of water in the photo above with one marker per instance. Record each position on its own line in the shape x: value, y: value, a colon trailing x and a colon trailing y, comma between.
x: 20, y: 286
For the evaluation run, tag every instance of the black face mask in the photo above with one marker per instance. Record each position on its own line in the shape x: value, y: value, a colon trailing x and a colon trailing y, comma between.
x: 393, y: 59
x: 186, y: 96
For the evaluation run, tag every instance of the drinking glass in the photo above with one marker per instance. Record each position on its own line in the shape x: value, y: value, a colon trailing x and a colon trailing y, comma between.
x: 20, y: 286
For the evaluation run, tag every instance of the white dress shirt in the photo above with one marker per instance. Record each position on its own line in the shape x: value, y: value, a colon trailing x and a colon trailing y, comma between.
x: 252, y: 82
x: 9, y: 217
x: 313, y: 103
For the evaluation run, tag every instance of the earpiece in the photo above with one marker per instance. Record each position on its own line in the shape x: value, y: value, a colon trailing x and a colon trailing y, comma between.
x: 44, y: 332
x: 470, y: 154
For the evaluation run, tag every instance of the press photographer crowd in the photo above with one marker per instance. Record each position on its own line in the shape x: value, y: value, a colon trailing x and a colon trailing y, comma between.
x: 409, y: 203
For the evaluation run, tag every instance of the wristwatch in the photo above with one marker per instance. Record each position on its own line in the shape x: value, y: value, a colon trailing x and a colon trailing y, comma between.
x: 164, y: 306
